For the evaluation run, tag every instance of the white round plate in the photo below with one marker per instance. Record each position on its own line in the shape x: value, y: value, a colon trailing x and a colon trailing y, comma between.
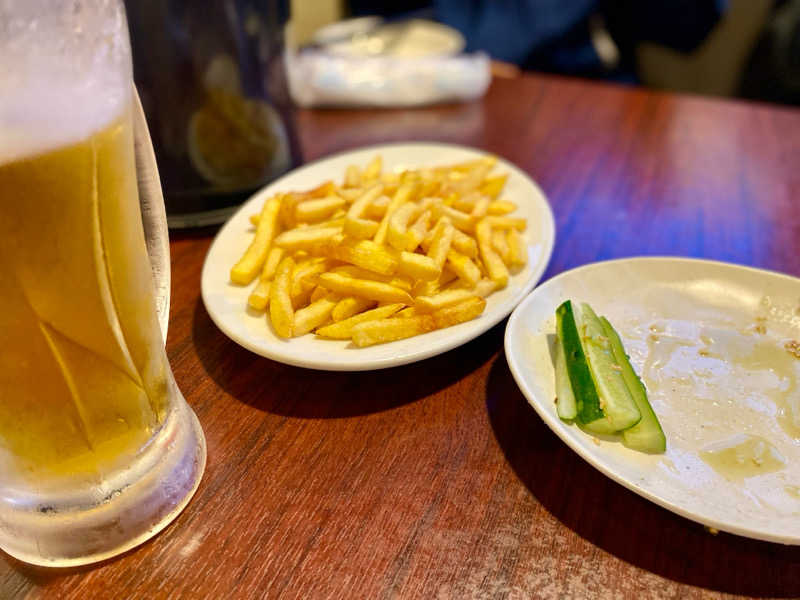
x: 708, y: 340
x: 226, y: 303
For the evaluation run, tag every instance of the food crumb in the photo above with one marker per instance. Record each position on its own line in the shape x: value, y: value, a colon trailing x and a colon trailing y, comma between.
x: 555, y: 400
x: 793, y: 348
x: 596, y: 441
x: 711, y: 530
x: 703, y: 352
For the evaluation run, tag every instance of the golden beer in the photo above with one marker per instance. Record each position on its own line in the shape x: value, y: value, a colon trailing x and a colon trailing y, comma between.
x: 98, y: 449
x: 83, y: 377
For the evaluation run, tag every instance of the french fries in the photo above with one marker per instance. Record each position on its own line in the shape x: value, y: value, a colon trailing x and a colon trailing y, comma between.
x: 312, y: 211
x: 259, y: 297
x: 305, y: 238
x: 463, y: 266
x: 347, y: 307
x: 426, y: 246
x: 418, y: 266
x: 244, y: 271
x: 343, y: 330
x: 428, y: 304
x: 281, y: 311
x: 355, y: 225
x: 364, y: 288
x: 498, y: 272
x: 365, y: 254
x: 315, y: 314
x: 380, y: 331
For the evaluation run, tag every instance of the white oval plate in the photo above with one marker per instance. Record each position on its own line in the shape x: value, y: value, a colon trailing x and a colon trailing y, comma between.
x: 701, y: 398
x: 226, y: 303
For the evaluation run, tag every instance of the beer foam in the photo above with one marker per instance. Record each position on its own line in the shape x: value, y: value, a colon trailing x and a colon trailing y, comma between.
x: 66, y: 72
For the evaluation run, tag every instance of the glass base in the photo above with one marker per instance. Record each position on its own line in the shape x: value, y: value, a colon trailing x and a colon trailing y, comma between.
x: 132, y: 506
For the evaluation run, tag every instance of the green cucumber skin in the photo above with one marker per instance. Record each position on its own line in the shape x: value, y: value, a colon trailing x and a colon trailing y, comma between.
x: 586, y: 399
x: 565, y: 398
x: 618, y: 405
x: 647, y: 435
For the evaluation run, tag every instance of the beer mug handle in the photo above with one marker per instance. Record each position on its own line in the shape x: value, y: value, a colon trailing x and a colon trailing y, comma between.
x: 154, y: 216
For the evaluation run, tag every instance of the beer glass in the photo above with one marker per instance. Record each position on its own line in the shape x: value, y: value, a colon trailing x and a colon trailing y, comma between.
x: 98, y: 449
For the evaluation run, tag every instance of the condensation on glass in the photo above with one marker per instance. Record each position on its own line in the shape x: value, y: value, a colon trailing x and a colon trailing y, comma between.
x: 98, y: 449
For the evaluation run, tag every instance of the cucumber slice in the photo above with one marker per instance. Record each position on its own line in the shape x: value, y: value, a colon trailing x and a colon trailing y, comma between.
x: 615, y: 399
x: 587, y: 402
x: 646, y: 435
x: 565, y: 399
x: 600, y: 426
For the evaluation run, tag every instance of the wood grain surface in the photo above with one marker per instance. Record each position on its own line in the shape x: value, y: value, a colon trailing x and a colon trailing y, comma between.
x: 437, y: 479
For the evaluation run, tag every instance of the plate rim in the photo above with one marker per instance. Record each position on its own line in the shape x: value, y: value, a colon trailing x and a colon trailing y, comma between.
x: 548, y: 224
x: 556, y: 426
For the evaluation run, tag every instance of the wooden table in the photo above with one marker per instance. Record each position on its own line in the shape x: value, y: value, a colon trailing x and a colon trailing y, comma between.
x: 437, y: 479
